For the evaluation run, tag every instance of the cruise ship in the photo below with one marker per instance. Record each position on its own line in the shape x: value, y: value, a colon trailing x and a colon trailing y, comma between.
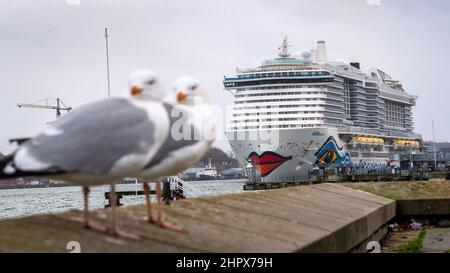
x: 298, y: 111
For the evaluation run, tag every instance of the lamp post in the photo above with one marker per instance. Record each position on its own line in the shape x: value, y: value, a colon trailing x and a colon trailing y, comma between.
x: 434, y: 148
x: 410, y: 159
x: 250, y: 172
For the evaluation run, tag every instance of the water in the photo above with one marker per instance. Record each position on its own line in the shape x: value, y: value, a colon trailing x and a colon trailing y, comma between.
x: 22, y: 202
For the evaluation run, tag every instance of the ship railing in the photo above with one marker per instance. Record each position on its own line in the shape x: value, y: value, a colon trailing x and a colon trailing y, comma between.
x: 179, y: 185
x: 280, y: 68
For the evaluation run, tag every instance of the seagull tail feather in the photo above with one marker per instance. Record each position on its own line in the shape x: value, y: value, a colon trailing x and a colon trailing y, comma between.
x: 4, y: 163
x: 8, y: 170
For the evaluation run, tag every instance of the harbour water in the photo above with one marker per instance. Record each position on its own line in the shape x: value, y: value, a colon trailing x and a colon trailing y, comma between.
x: 22, y: 202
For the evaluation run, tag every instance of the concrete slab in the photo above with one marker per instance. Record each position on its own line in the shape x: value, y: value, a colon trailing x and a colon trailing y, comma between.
x: 313, y: 218
x: 437, y: 240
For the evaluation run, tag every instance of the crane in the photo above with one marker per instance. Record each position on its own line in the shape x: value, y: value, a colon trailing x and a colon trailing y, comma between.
x: 48, y: 103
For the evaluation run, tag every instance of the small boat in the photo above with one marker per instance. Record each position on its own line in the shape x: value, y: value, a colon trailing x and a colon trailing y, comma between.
x: 208, y: 173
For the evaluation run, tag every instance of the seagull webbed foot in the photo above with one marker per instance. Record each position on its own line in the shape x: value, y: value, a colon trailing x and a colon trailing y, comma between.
x: 123, y: 234
x: 95, y: 227
x: 170, y: 226
x: 151, y: 220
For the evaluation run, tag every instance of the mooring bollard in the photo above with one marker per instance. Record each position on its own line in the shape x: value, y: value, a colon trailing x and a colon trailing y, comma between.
x: 117, y: 199
x: 167, y: 192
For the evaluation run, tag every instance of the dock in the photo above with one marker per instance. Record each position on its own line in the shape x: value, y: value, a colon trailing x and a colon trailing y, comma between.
x: 381, y: 177
x: 311, y: 218
x: 271, y: 185
x: 351, y: 178
x: 172, y: 188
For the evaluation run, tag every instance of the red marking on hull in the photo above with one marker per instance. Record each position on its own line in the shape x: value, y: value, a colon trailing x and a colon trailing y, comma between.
x: 267, y: 162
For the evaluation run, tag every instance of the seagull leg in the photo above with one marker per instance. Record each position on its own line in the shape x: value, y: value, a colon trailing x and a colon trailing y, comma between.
x: 114, y: 229
x: 86, y: 207
x: 86, y: 221
x: 160, y: 219
x: 112, y: 198
x: 147, y: 200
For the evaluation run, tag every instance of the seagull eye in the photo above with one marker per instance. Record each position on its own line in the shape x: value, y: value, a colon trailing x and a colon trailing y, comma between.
x: 151, y: 82
x: 194, y: 87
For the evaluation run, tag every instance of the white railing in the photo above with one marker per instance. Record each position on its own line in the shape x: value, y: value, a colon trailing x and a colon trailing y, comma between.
x: 178, y: 184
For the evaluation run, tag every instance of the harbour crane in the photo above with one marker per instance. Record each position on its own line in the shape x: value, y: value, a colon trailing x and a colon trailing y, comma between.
x: 48, y: 103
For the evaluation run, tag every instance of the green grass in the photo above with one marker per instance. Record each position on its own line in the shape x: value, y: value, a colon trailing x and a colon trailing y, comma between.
x: 448, y: 251
x: 415, y: 245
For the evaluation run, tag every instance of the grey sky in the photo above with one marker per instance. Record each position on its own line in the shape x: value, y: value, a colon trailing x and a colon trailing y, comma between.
x: 51, y: 49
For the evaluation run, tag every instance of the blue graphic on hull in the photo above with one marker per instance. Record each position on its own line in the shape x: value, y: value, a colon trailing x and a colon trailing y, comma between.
x: 331, y: 153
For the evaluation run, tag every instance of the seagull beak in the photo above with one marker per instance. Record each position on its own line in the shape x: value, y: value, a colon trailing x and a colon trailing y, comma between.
x: 181, y: 96
x: 135, y: 90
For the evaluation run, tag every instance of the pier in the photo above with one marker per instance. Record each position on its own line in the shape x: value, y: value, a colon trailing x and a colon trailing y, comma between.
x: 351, y: 178
x: 309, y: 218
x: 404, y: 175
x: 315, y: 218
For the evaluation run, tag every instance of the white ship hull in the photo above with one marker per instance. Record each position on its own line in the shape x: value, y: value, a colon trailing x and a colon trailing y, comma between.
x: 290, y: 153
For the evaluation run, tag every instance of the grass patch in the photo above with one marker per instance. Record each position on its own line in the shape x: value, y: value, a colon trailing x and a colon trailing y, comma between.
x: 448, y: 251
x: 415, y: 245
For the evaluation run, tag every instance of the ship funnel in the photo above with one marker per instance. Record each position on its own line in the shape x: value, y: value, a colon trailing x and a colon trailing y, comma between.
x: 321, y: 52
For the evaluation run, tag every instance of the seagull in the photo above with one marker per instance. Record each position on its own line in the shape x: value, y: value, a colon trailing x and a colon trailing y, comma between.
x: 192, y: 123
x: 98, y: 143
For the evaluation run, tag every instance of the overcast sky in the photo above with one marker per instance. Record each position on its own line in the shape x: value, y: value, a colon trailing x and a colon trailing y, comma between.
x: 52, y: 49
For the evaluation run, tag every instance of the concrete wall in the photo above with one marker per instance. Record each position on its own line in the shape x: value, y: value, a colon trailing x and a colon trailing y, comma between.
x: 312, y: 218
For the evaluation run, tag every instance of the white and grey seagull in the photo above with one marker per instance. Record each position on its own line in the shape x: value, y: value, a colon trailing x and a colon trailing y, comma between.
x: 192, y: 123
x: 98, y: 143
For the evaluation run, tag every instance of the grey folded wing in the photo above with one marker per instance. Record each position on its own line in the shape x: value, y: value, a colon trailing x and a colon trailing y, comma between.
x: 177, y: 139
x: 92, y: 138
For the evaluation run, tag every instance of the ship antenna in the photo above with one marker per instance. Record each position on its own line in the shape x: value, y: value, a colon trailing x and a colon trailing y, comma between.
x: 283, y: 49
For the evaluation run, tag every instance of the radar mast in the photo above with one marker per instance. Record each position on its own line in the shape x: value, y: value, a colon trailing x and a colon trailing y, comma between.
x: 283, y: 49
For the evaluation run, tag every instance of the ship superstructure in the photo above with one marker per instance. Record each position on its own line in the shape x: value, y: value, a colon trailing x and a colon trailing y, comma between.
x: 298, y: 110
